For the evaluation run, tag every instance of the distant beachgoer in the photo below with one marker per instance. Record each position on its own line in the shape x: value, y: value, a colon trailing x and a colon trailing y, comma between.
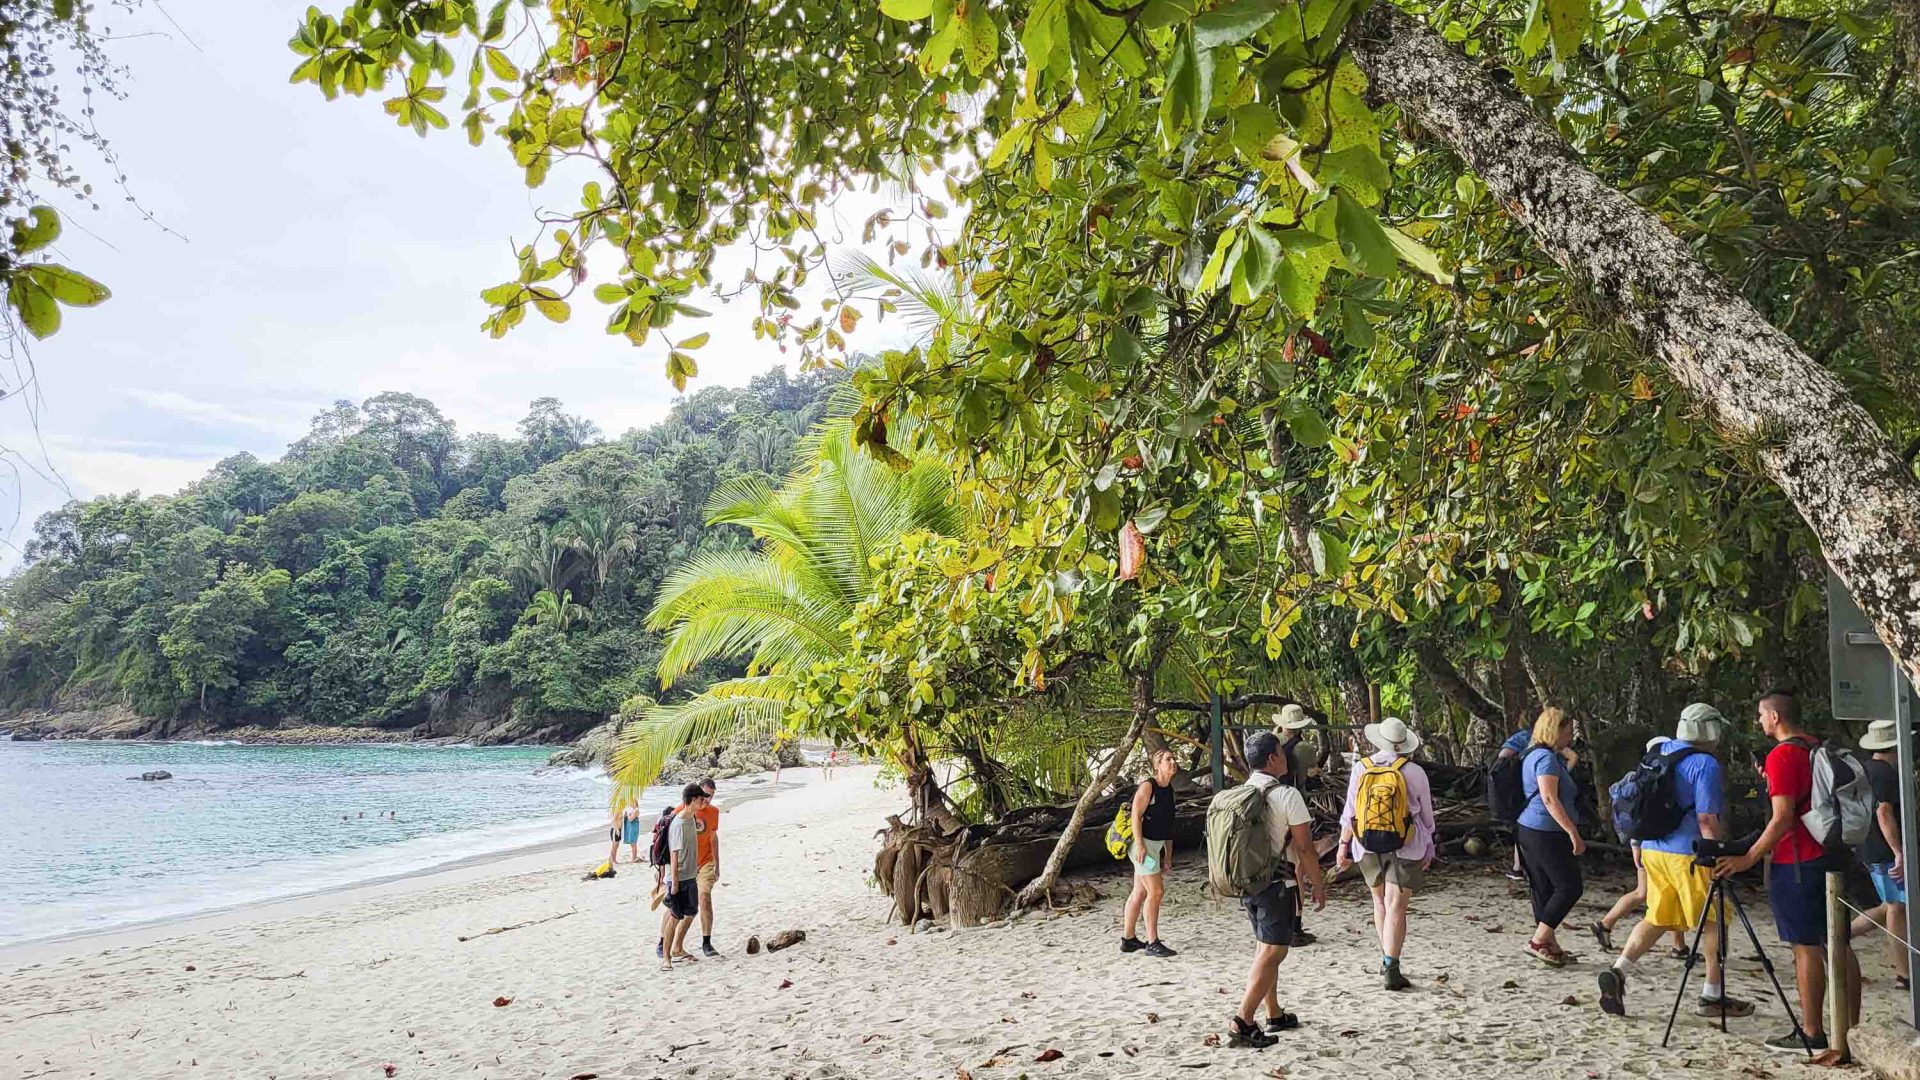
x: 1393, y: 876
x: 1515, y: 745
x: 1630, y: 902
x: 683, y: 891
x: 1550, y: 840
x: 707, y: 818
x: 1292, y: 725
x: 826, y: 769
x: 630, y: 830
x: 1881, y: 852
x: 1152, y: 854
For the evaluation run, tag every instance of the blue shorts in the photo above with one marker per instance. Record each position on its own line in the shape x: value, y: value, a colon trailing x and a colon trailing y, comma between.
x: 1891, y: 891
x: 1797, y: 892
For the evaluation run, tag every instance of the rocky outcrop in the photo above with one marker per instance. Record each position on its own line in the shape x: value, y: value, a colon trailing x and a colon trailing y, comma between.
x: 593, y: 748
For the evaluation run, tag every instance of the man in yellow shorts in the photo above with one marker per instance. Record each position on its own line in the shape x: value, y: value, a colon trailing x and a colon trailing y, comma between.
x: 1677, y: 888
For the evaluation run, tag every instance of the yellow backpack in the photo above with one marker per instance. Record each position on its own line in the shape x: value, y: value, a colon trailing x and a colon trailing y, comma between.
x: 1120, y: 833
x: 1382, y: 811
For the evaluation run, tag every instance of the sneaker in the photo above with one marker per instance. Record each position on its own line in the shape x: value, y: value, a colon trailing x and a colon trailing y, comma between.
x: 1131, y: 944
x: 1515, y: 875
x: 708, y: 950
x: 1790, y: 1043
x: 660, y: 949
x: 1733, y: 1006
x: 1241, y: 1033
x: 1613, y: 992
x: 1158, y: 948
x: 1391, y: 976
x: 1303, y: 937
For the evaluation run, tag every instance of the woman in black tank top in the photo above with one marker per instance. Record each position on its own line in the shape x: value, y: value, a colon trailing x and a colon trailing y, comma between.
x: 1152, y: 813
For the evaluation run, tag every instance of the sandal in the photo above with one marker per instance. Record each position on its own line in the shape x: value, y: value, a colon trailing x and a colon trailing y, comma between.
x: 1604, y: 935
x: 1286, y: 1021
x: 1547, y: 954
x: 1680, y: 952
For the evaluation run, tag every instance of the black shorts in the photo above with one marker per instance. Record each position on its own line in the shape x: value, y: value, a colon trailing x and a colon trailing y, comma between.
x: 683, y: 900
x: 1273, y: 914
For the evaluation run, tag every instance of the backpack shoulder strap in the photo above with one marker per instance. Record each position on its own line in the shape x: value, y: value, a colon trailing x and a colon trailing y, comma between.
x: 1682, y: 754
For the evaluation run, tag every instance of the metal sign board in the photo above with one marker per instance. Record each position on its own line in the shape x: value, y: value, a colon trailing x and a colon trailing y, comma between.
x: 1863, y: 669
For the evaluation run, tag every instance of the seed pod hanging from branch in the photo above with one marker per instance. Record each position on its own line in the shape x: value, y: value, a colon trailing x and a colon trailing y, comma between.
x: 1133, y: 551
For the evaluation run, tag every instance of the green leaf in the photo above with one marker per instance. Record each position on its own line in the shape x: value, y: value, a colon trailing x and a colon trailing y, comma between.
x: 1149, y: 519
x: 1568, y: 21
x: 1217, y: 262
x: 554, y: 308
x: 1533, y: 37
x: 979, y: 38
x: 38, y: 312
x: 1254, y: 273
x: 680, y: 368
x: 1004, y: 147
x: 1232, y: 23
x: 1418, y: 255
x: 70, y: 287
x: 609, y: 293
x: 1188, y: 93
x: 906, y: 10
x: 1103, y: 509
x: 1363, y: 239
x: 1123, y: 349
x: 501, y: 67
x: 39, y: 228
x: 695, y: 341
x: 1304, y: 423
x: 1046, y: 29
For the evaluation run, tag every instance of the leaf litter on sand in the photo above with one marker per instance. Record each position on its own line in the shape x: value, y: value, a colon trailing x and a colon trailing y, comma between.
x: 1049, y: 1054
x: 502, y: 1002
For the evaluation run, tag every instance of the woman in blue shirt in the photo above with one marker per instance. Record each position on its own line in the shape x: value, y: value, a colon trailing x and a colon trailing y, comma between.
x: 1549, y: 831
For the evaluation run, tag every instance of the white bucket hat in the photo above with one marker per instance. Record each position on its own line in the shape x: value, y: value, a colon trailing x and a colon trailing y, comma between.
x: 1880, y: 736
x: 1700, y: 722
x: 1393, y: 736
x: 1293, y: 718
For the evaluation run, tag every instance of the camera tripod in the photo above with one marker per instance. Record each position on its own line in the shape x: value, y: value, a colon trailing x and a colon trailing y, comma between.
x: 1718, y: 897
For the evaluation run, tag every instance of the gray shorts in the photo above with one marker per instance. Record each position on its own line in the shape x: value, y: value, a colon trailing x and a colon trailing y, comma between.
x: 1273, y: 914
x: 1156, y: 858
x: 1405, y: 873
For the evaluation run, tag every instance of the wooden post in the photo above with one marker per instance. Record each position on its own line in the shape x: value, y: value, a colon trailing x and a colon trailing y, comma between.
x: 1216, y: 745
x: 1839, y: 1020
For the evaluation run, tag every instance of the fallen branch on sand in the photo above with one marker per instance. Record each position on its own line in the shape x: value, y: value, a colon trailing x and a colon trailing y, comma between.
x: 675, y: 1048
x: 274, y: 978
x: 515, y: 926
x: 61, y: 1012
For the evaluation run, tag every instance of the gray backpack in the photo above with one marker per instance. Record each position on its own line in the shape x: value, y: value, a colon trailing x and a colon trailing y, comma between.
x: 1240, y: 856
x: 1841, y: 810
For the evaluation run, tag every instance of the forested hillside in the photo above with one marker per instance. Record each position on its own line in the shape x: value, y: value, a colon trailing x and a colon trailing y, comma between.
x: 389, y: 572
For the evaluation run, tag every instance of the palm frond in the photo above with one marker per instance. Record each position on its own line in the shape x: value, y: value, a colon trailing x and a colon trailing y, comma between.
x: 726, y: 711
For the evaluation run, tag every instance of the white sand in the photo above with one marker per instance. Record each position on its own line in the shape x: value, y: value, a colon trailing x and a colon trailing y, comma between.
x: 352, y: 982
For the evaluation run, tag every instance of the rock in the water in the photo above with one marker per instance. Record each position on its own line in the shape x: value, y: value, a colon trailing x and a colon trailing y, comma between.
x: 156, y: 774
x: 753, y: 945
x: 785, y: 938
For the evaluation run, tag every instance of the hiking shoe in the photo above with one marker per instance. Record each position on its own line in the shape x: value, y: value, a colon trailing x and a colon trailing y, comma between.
x: 1390, y: 975
x: 1286, y: 1021
x: 1241, y: 1033
x: 1131, y: 944
x: 708, y: 950
x: 1303, y: 937
x: 1735, y: 1008
x: 1613, y: 992
x: 1158, y: 948
x: 1790, y: 1043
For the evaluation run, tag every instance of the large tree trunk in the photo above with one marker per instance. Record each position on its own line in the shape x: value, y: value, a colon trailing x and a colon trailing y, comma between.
x: 1762, y: 391
x: 1036, y: 890
x: 1906, y: 32
x: 1452, y: 685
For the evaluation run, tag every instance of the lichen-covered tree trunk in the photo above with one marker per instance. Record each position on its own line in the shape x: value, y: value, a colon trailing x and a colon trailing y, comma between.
x: 1143, y: 676
x: 1452, y: 685
x: 1762, y: 391
x: 1906, y: 31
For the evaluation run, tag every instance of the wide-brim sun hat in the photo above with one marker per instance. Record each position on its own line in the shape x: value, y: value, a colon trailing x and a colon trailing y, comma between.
x: 1393, y: 736
x: 1880, y: 736
x: 1293, y: 718
x: 1695, y: 722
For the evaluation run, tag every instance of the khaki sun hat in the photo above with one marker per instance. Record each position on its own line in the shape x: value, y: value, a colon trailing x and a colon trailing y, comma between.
x: 1880, y: 736
x: 1700, y: 722
x: 1393, y: 736
x: 1293, y: 718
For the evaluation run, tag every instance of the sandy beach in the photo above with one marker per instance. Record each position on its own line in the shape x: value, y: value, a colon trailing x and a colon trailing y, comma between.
x: 345, y: 984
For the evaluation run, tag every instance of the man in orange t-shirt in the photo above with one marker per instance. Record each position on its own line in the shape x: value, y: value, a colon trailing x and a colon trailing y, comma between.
x: 708, y: 820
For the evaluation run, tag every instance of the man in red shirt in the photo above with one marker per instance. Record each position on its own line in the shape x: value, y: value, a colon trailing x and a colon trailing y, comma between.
x: 1796, y: 887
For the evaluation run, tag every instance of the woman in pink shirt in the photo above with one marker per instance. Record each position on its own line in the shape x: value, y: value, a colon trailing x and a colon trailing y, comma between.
x: 1393, y: 851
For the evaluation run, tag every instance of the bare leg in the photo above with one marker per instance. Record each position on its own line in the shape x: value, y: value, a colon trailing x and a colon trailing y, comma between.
x: 1130, y: 920
x: 613, y: 856
x: 666, y: 936
x: 679, y: 950
x: 1627, y: 903
x: 706, y: 912
x: 1156, y: 889
x: 1380, y: 916
x: 1261, y: 980
x: 1897, y: 923
x: 1393, y: 933
x: 1810, y: 975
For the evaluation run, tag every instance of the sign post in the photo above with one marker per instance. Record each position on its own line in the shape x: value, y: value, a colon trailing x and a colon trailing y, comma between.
x: 1215, y: 741
x: 1868, y: 684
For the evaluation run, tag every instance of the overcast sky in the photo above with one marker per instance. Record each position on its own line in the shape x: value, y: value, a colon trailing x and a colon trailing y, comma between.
x: 321, y: 253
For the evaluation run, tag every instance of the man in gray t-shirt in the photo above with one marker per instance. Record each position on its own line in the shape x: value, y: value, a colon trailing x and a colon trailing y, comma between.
x: 683, y: 865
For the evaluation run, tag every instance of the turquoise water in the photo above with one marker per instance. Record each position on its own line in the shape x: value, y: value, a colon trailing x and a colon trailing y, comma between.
x: 83, y: 848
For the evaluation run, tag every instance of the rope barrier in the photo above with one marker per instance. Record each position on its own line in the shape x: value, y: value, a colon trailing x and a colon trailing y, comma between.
x: 1907, y: 945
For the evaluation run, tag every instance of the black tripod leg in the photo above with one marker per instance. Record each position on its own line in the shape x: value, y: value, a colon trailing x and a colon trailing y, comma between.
x: 1719, y: 914
x: 1766, y: 962
x: 1680, y: 992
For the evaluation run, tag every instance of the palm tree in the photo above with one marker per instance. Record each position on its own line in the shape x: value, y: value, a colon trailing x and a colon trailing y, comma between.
x: 542, y: 559
x: 784, y: 603
x: 559, y: 612
x: 605, y: 539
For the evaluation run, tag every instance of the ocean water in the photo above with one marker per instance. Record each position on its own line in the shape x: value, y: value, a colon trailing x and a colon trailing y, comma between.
x: 84, y: 848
